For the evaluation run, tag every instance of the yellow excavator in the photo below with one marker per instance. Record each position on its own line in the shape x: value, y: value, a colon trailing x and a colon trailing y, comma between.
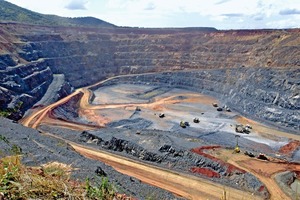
x: 237, y: 148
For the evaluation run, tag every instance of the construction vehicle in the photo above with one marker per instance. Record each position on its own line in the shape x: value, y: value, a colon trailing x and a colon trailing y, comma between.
x: 215, y: 104
x: 219, y: 109
x: 161, y: 115
x: 250, y: 154
x: 239, y: 128
x: 182, y: 124
x: 196, y: 120
x: 237, y: 148
x: 228, y: 109
x: 248, y: 126
x: 262, y: 157
x: 137, y: 109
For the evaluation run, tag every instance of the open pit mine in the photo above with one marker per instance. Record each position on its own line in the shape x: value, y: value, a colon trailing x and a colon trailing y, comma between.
x: 191, y: 113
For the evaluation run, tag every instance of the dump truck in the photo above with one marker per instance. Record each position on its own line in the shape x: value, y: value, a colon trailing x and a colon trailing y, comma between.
x: 219, y: 109
x: 239, y: 128
x: 196, y: 120
x: 161, y: 115
x: 215, y: 104
x: 138, y: 109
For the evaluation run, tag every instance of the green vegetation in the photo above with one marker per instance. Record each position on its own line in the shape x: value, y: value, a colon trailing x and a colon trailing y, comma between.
x: 19, y: 182
x: 50, y: 181
x: 12, y: 13
x: 14, y: 149
x: 7, y: 112
x: 104, y: 190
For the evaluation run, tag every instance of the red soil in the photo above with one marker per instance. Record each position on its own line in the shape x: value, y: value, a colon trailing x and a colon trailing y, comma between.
x: 207, y: 172
x: 261, y: 188
x: 290, y: 147
x: 230, y: 168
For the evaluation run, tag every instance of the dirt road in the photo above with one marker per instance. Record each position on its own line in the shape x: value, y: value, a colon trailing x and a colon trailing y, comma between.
x: 184, y: 185
x: 263, y: 170
x: 181, y: 184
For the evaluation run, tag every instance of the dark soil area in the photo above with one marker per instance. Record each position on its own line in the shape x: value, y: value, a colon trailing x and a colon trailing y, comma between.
x: 164, y: 149
x: 38, y: 149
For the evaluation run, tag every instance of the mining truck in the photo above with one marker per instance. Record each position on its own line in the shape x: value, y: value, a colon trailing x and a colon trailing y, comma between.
x: 161, y: 115
x: 219, y: 109
x: 182, y: 124
x: 138, y: 109
x: 196, y: 120
x: 215, y: 104
x: 239, y: 128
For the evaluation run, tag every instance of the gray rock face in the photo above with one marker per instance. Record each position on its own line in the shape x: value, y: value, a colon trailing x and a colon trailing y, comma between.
x: 25, y: 83
x: 271, y: 95
x: 6, y: 60
x: 181, y: 159
x: 88, y: 56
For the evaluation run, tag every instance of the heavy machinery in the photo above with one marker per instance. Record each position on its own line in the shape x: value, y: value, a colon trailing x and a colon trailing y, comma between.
x: 161, y: 115
x: 215, y: 104
x: 227, y: 108
x: 219, y: 109
x: 196, y: 120
x: 138, y: 109
x: 182, y: 124
x: 237, y: 148
x: 239, y: 128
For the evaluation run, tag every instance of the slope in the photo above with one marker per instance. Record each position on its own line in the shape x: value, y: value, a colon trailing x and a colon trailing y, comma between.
x: 12, y: 13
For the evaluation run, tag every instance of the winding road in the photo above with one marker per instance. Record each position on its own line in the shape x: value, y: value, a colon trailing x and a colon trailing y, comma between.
x: 184, y: 185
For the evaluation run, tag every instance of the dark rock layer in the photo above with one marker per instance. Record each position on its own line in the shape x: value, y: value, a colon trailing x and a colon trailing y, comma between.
x: 244, y: 63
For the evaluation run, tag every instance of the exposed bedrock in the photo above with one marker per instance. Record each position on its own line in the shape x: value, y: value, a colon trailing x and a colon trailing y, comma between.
x: 25, y: 83
x: 288, y: 182
x: 30, y: 55
x: 267, y: 94
x: 181, y: 159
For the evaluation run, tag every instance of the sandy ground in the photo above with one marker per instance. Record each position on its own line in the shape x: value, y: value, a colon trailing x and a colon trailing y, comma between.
x: 119, y: 102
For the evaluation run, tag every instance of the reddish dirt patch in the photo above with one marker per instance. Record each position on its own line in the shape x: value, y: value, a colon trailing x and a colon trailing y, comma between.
x: 290, y: 147
x: 229, y: 167
x: 200, y: 150
x: 207, y: 172
x: 269, y: 168
x: 262, y: 188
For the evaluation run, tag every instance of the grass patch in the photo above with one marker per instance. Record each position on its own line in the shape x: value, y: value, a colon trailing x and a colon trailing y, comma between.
x: 50, y: 181
x: 14, y: 149
x: 9, y: 111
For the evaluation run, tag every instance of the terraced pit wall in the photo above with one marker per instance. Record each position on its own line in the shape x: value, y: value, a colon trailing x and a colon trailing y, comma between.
x: 260, y: 93
x: 256, y: 72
